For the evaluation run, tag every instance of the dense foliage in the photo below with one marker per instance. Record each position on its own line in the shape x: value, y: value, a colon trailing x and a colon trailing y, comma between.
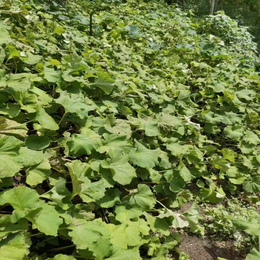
x: 103, y: 136
x: 246, y: 12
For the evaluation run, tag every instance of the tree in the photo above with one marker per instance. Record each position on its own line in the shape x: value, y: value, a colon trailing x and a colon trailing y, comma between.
x: 213, y: 6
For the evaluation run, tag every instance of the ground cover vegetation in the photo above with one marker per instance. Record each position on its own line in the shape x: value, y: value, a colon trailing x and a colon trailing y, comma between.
x: 113, y: 116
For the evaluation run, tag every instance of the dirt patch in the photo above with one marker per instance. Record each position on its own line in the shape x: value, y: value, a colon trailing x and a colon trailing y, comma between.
x: 206, y: 249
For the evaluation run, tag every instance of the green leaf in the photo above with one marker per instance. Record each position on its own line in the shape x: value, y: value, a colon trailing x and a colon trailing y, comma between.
x: 13, y: 52
x: 252, y: 184
x: 19, y: 82
x: 192, y: 215
x: 7, y: 226
x: 20, y: 198
x: 13, y: 159
x: 36, y: 142
x: 93, y: 191
x: 112, y: 197
x: 62, y: 257
x: 246, y: 94
x: 15, y: 247
x: 167, y: 121
x: 82, y: 185
x: 121, y: 127
x: 9, y: 156
x: 51, y: 75
x: 211, y: 195
x: 2, y: 54
x: 11, y: 110
x: 126, y: 235
x: 142, y: 197
x: 218, y: 87
x: 251, y: 137
x: 43, y: 98
x: 9, y: 166
x: 30, y: 157
x: 143, y: 157
x: 46, y: 219
x: 59, y: 194
x: 185, y: 173
x: 253, y: 255
x: 176, y: 181
x: 36, y: 174
x: 150, y: 126
x: 124, y: 214
x: 177, y: 149
x: 159, y: 224
x: 250, y: 228
x: 5, y: 37
x: 129, y: 254
x: 104, y: 82
x: 59, y: 30
x: 101, y: 249
x: 133, y: 30
x: 73, y: 104
x: 114, y: 142
x: 123, y: 172
x: 81, y: 145
x: 77, y: 171
x: 31, y: 59
x: 45, y: 120
x: 85, y: 236
x: 10, y: 145
x: 178, y: 221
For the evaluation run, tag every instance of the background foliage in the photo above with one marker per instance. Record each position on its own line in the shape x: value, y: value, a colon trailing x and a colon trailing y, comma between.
x: 246, y: 12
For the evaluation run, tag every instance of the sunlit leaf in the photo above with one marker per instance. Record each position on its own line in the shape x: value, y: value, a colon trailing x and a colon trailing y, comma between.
x: 81, y: 145
x: 143, y: 157
x: 142, y: 197
x: 15, y: 247
x: 45, y: 119
x: 104, y: 82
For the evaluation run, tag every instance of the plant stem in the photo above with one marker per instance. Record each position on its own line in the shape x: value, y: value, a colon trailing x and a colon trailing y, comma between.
x: 61, y: 248
x: 62, y: 118
x: 161, y: 204
x: 33, y: 235
x: 91, y: 23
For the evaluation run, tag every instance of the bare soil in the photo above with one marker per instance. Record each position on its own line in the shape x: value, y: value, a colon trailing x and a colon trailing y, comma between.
x: 206, y: 249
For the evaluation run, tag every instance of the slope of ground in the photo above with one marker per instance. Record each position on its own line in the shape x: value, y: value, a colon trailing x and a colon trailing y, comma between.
x: 112, y: 117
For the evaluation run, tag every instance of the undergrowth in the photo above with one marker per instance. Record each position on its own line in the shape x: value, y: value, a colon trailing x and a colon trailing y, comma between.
x: 114, y: 116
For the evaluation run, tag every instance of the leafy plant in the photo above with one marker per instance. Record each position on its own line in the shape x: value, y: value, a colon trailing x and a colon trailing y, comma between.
x: 104, y: 135
x: 230, y: 221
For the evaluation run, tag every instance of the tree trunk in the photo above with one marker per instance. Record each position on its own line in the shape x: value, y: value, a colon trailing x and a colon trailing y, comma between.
x: 212, y: 6
x: 216, y: 5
